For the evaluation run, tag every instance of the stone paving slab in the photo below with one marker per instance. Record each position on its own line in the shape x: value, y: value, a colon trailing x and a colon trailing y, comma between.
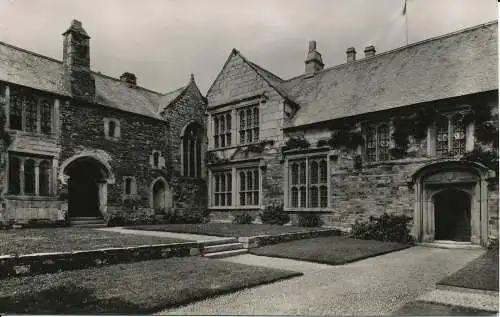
x: 164, y: 234
x: 462, y: 299
x: 286, y: 264
x: 374, y: 286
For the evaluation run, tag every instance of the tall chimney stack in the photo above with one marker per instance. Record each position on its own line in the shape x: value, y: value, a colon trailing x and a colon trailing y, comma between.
x: 314, y: 62
x: 78, y: 79
x: 351, y: 54
x: 370, y: 51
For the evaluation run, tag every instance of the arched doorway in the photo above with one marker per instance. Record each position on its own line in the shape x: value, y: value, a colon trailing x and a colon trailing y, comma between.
x: 452, y: 215
x: 161, y: 199
x: 87, y: 187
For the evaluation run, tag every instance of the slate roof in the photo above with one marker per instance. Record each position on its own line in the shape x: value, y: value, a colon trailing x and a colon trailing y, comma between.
x: 455, y: 64
x: 36, y: 71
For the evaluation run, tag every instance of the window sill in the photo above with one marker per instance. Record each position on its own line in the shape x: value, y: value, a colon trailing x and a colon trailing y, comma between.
x: 303, y: 209
x: 27, y: 197
x: 215, y: 208
x: 112, y: 138
x: 31, y: 134
x: 213, y: 149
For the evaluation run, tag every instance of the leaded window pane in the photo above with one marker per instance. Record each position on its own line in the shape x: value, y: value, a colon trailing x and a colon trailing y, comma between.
x: 31, y: 114
x: 383, y: 143
x: 29, y: 177
x: 14, y: 178
x: 44, y: 178
x: 371, y: 145
x: 46, y: 117
x: 16, y: 112
x: 323, y: 196
x: 458, y: 137
x: 442, y: 137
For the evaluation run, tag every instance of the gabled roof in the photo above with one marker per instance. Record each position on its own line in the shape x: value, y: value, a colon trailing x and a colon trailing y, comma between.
x: 25, y: 68
x: 455, y: 64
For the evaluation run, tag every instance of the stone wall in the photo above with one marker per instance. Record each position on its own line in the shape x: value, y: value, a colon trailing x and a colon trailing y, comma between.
x: 82, y: 132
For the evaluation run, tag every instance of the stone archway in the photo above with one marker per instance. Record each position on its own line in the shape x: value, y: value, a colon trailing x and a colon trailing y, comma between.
x: 456, y: 189
x: 87, y: 178
x: 161, y: 196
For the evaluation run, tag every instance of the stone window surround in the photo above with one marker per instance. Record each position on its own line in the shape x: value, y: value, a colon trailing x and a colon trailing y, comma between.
x: 117, y: 129
x: 55, y: 108
x: 306, y: 155
x: 198, y: 142
x: 233, y: 107
x: 376, y: 128
x: 161, y: 159
x: 234, y: 167
x: 432, y: 130
x: 237, y: 113
x: 133, y: 186
x: 38, y: 159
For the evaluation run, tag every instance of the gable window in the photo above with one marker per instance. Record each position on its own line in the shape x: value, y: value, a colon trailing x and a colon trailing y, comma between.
x: 29, y: 175
x: 308, y: 182
x: 450, y: 136
x: 222, y: 129
x: 111, y: 129
x: 248, y: 187
x: 222, y: 184
x: 249, y: 124
x: 30, y: 113
x: 191, y: 150
x: 377, y: 143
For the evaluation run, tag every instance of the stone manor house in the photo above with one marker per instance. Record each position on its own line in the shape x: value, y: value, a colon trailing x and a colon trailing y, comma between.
x: 410, y: 131
x: 392, y: 132
x: 77, y: 143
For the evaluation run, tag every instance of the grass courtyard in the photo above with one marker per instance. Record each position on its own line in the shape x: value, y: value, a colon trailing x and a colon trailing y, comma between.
x: 27, y: 241
x: 225, y: 229
x: 134, y: 288
x: 332, y: 250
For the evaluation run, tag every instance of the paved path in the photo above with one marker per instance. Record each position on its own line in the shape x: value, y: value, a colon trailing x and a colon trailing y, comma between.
x: 375, y: 286
x: 164, y: 234
x: 464, y: 299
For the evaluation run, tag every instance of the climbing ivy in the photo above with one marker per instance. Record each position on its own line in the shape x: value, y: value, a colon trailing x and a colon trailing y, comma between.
x: 296, y: 143
x: 346, y: 137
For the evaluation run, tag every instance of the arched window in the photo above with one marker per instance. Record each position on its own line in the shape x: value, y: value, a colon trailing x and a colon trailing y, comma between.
x: 29, y: 177
x: 112, y: 129
x: 44, y: 178
x: 191, y: 150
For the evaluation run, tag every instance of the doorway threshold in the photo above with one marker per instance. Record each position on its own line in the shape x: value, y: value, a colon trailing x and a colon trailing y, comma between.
x: 449, y: 244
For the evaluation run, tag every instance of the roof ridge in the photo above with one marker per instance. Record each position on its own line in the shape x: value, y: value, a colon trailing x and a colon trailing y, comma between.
x: 119, y: 80
x: 401, y: 48
x: 30, y: 52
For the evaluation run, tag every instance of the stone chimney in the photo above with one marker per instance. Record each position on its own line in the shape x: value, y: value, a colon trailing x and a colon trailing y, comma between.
x: 129, y: 78
x: 369, y: 51
x: 78, y: 79
x: 351, y: 54
x: 313, y: 61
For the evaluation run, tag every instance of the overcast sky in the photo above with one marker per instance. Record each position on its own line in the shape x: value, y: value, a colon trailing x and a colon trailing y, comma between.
x: 163, y: 41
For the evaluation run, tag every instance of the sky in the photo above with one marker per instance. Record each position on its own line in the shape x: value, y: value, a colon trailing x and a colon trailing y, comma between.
x: 164, y: 41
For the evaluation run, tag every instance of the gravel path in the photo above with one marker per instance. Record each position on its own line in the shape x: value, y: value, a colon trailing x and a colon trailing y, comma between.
x: 375, y: 286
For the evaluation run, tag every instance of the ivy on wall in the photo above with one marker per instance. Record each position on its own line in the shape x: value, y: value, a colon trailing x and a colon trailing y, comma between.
x: 296, y: 143
x: 347, y: 137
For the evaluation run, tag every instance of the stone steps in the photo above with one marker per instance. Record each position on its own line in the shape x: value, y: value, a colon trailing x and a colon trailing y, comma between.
x: 223, y: 248
x: 451, y: 245
x: 87, y: 222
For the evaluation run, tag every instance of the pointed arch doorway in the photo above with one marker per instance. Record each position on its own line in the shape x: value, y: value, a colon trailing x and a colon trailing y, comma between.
x: 161, y: 196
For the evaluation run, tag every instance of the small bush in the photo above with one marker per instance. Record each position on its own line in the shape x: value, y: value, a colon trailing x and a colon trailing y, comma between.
x: 115, y: 221
x: 309, y: 220
x: 243, y: 219
x: 176, y: 217
x: 384, y: 228
x: 274, y: 215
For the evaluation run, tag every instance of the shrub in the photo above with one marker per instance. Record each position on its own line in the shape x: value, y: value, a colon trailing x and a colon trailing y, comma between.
x: 309, y: 220
x: 175, y: 217
x: 243, y: 219
x: 115, y: 221
x: 384, y: 228
x: 274, y: 215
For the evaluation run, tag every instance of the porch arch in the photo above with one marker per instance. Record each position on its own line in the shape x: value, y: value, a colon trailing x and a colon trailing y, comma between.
x: 463, y: 176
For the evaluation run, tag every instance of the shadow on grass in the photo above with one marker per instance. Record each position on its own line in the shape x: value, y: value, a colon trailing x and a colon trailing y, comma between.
x: 67, y: 299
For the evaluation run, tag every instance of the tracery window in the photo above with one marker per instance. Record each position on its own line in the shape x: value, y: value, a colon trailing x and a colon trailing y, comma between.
x: 378, y: 142
x: 31, y: 113
x: 191, y: 150
x: 450, y: 136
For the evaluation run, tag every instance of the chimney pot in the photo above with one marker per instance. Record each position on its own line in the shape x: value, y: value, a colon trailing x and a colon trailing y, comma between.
x: 312, y: 46
x: 351, y: 54
x: 129, y: 78
x: 370, y: 51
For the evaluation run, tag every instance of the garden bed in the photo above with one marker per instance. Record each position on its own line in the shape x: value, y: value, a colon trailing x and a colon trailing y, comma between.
x: 226, y: 229
x: 333, y: 250
x: 27, y: 241
x: 481, y: 274
x: 136, y: 288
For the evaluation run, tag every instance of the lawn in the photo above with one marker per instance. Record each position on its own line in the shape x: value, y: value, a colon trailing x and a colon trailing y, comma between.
x: 25, y: 241
x: 329, y: 250
x: 135, y: 288
x: 420, y: 308
x: 225, y: 229
x: 481, y: 273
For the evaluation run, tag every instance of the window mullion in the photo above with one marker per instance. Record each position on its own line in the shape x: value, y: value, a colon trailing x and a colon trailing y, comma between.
x: 307, y: 182
x: 450, y: 135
